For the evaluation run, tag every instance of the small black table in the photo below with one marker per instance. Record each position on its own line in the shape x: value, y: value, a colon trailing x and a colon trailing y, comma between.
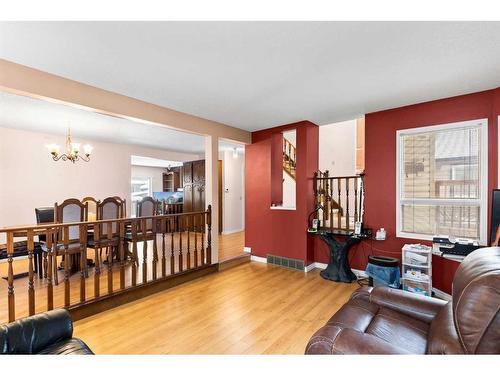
x: 338, y: 268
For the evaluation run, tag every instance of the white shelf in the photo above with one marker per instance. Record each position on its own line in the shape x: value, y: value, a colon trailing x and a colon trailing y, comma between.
x: 416, y: 265
x: 410, y: 282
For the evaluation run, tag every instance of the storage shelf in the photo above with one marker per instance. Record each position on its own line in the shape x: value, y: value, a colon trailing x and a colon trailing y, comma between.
x: 426, y: 266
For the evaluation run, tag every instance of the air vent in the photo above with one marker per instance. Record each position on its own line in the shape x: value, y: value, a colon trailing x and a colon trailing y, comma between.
x: 294, y: 264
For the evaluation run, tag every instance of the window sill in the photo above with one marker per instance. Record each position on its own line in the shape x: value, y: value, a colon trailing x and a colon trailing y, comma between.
x: 285, y: 208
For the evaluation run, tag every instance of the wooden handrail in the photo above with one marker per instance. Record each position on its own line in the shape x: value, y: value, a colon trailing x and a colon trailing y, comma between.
x: 184, y: 237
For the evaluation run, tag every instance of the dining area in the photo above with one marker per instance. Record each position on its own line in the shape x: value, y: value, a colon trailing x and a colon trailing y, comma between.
x: 84, y: 250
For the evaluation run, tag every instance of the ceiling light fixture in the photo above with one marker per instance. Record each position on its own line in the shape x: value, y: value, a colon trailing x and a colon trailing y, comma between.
x: 72, y: 151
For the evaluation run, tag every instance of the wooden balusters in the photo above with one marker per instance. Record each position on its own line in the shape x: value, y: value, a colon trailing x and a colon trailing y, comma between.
x: 195, y: 241
x: 49, y: 235
x: 135, y: 260
x: 355, y: 200
x: 144, y: 234
x: 83, y: 260
x: 68, y: 242
x: 202, y: 248
x: 10, y: 277
x: 155, y: 248
x: 97, y: 270
x: 31, y: 289
x: 209, y: 234
x: 121, y: 250
x: 66, y: 266
x: 339, y: 212
x: 163, y: 224
x: 109, y: 249
x: 188, y: 251
x: 347, y: 203
x: 181, y: 228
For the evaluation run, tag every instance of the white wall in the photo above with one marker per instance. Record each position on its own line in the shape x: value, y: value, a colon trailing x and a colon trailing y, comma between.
x: 29, y: 177
x: 337, y: 148
x: 289, y: 191
x: 155, y: 173
x: 233, y: 191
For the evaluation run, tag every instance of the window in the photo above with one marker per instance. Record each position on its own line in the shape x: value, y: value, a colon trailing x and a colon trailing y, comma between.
x: 442, y: 181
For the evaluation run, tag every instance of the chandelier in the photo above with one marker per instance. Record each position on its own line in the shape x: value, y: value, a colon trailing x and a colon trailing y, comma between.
x: 72, y: 151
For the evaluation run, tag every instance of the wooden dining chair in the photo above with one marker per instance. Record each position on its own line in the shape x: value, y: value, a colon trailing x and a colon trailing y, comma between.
x: 110, y: 208
x: 91, y: 214
x: 70, y: 211
x: 123, y: 202
x: 44, y: 215
x: 146, y: 207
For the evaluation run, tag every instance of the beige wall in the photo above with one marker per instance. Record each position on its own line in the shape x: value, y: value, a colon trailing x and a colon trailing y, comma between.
x: 337, y: 148
x: 29, y: 178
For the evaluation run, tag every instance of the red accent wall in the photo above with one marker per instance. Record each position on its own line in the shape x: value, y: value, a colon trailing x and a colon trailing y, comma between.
x: 380, y: 162
x: 279, y: 232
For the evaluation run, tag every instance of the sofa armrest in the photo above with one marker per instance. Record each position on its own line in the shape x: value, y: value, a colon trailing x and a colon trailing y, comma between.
x: 338, y: 340
x: 411, y: 304
x: 31, y: 335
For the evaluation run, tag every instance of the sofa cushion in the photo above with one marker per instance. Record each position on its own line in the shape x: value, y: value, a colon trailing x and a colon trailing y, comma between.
x: 70, y: 346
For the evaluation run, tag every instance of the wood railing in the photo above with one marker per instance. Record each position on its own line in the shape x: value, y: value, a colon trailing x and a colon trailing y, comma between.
x: 289, y: 158
x: 180, y: 243
x: 338, y: 200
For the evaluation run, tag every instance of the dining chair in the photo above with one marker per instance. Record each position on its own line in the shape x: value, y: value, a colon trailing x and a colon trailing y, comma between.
x: 123, y: 202
x: 110, y: 208
x: 44, y: 215
x: 92, y: 208
x: 146, y: 207
x: 70, y: 211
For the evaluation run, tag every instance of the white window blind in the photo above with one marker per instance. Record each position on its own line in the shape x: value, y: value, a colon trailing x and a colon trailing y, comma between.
x: 442, y: 181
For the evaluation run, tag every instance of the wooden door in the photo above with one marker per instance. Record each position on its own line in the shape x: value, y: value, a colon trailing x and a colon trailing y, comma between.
x: 220, y: 197
x: 187, y: 172
x: 199, y: 185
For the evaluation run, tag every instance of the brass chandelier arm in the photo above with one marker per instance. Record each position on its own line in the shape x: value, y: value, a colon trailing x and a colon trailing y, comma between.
x: 71, y: 158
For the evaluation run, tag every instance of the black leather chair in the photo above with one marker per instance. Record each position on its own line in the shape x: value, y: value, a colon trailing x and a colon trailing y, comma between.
x: 46, y: 333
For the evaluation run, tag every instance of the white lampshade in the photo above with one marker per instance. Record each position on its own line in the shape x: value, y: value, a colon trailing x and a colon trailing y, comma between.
x: 87, y: 149
x: 53, y: 148
x: 75, y: 147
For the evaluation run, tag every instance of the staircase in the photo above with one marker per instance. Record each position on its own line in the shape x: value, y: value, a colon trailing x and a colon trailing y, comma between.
x: 338, y: 201
x: 289, y: 159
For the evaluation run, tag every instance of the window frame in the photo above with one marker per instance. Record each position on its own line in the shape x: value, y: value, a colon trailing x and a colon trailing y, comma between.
x: 482, y: 201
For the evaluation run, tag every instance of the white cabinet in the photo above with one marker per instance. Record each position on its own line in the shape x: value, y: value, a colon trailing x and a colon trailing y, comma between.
x: 417, y: 269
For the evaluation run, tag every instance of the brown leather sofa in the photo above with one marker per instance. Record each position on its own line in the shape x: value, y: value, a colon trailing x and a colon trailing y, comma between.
x: 381, y: 320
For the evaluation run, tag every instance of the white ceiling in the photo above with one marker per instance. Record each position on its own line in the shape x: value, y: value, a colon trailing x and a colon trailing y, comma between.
x: 20, y: 112
x: 254, y: 75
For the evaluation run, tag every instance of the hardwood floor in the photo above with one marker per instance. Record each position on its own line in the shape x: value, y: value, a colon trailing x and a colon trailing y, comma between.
x: 231, y: 245
x: 254, y: 308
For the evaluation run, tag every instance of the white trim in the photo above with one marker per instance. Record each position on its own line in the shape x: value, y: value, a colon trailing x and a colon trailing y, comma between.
x: 247, y: 250
x: 232, y: 231
x: 255, y: 258
x: 482, y: 202
x: 310, y: 267
x: 283, y: 208
x: 322, y: 266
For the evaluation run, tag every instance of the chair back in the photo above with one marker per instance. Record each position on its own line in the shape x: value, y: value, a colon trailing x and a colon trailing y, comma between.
x: 92, y: 208
x: 44, y: 215
x: 123, y: 203
x: 109, y: 208
x: 71, y: 211
x: 146, y: 207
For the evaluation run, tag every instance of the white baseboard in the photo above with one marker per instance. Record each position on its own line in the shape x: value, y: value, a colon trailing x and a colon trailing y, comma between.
x: 224, y: 232
x: 322, y: 266
x: 247, y: 250
x: 255, y: 258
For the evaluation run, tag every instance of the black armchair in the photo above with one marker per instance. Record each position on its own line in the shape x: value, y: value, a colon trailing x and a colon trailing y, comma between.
x: 45, y: 333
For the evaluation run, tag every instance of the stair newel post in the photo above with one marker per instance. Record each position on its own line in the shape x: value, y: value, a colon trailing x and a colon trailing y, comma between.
x: 339, y: 212
x: 326, y: 198
x: 209, y: 234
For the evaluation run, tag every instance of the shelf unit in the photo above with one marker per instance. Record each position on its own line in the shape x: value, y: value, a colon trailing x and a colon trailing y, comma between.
x: 417, y: 269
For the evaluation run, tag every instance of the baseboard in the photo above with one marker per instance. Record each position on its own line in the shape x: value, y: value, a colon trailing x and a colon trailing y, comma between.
x: 322, y: 266
x: 224, y: 232
x: 247, y: 249
x: 255, y: 258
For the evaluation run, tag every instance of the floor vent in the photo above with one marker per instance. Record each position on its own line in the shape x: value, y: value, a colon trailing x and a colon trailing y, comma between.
x: 294, y: 264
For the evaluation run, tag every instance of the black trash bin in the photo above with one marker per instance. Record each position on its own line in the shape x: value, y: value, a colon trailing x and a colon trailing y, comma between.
x: 383, y: 271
